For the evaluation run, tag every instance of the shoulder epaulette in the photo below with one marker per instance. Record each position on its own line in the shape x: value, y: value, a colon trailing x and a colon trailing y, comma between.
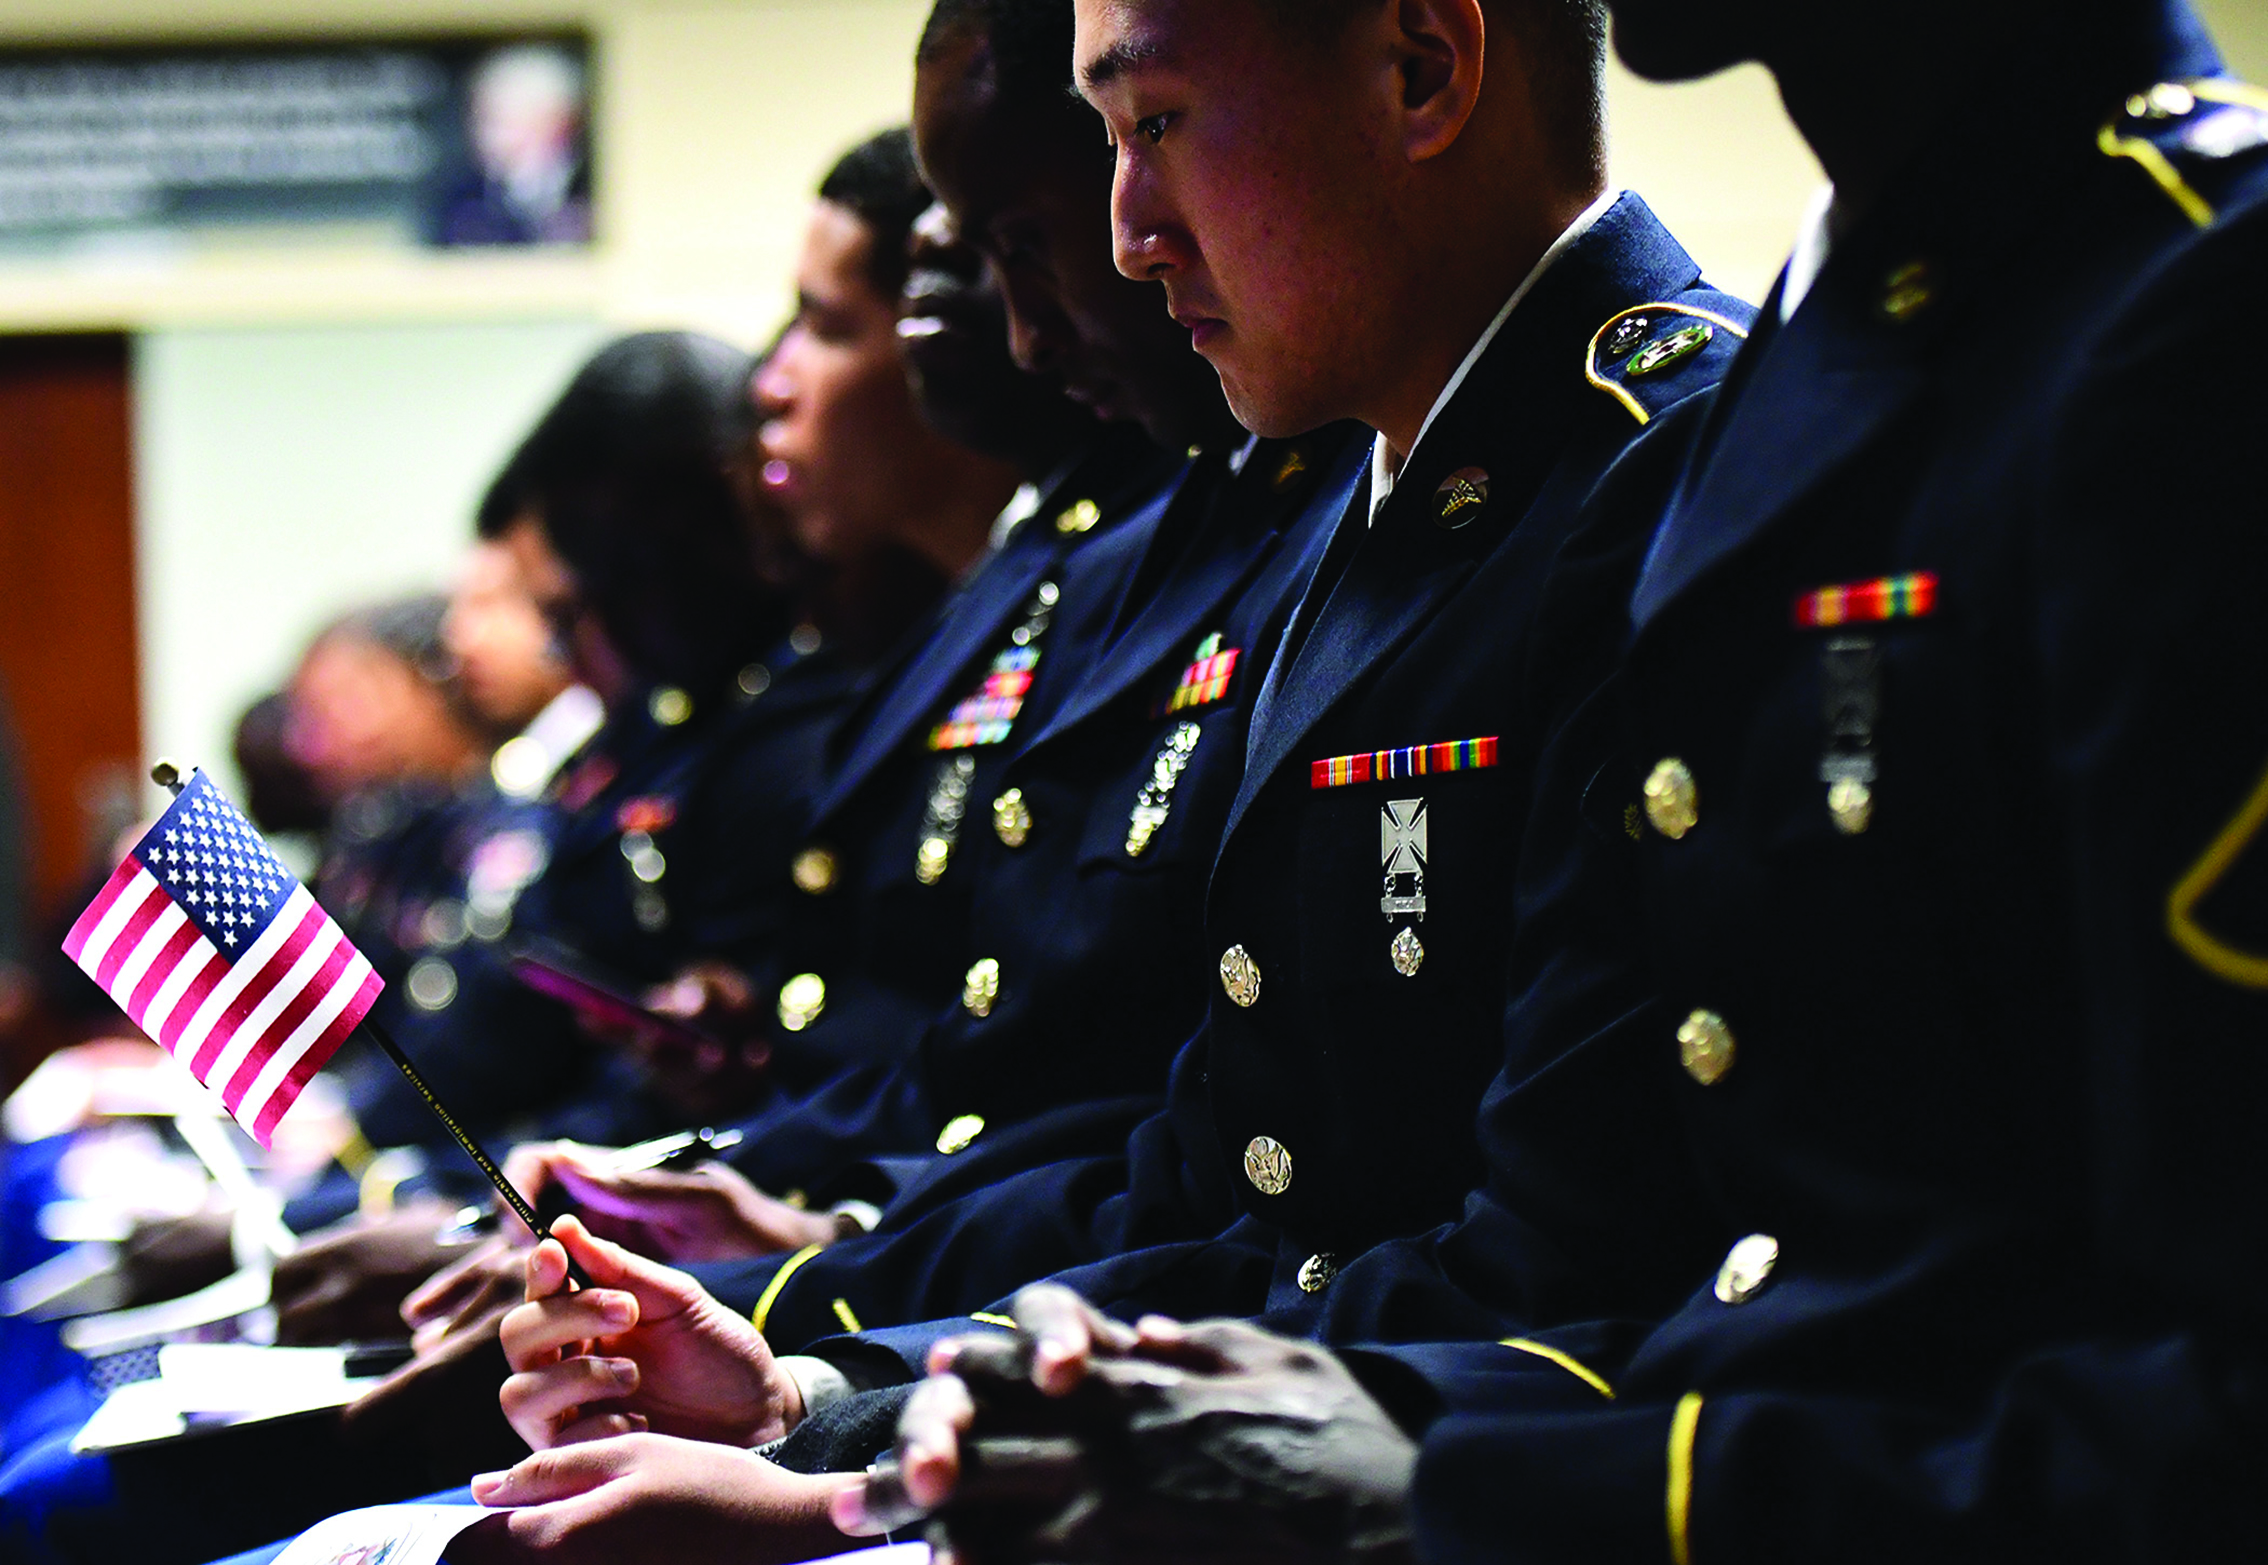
x: 2181, y: 125
x: 1646, y: 357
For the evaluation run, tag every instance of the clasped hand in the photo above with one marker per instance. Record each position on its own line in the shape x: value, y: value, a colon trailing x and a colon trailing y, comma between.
x: 1080, y: 1439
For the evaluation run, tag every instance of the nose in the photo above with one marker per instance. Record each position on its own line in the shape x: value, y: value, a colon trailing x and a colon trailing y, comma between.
x: 1034, y: 340
x: 773, y: 389
x: 936, y: 240
x: 1146, y: 240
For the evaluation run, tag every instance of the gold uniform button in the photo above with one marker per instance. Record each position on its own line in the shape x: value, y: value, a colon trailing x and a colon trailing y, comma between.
x: 803, y: 999
x: 669, y: 706
x: 432, y: 984
x: 1317, y: 1273
x: 1079, y: 518
x: 1012, y: 818
x: 931, y: 860
x: 981, y: 989
x: 815, y: 872
x: 959, y: 1133
x: 1673, y: 799
x: 1267, y: 1163
x: 1240, y: 977
x: 1851, y: 804
x: 1706, y: 1047
x: 1747, y: 1269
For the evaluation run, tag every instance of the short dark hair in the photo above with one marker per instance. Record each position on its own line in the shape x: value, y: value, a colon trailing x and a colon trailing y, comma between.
x: 630, y: 472
x: 1564, y: 45
x: 503, y: 504
x: 279, y: 793
x: 409, y: 630
x: 1030, y: 42
x: 1563, y: 42
x: 880, y: 184
x: 1563, y: 49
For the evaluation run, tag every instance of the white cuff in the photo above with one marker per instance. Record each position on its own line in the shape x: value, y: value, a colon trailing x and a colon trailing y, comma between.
x: 864, y: 1213
x: 821, y: 1383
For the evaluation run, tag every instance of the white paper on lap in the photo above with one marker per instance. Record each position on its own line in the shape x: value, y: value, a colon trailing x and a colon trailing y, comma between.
x: 417, y: 1535
x: 383, y: 1535
x: 891, y: 1554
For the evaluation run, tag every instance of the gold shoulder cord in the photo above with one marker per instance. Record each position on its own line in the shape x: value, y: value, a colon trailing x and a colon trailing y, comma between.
x: 1685, y: 1429
x: 1614, y: 389
x: 1567, y: 1361
x: 2215, y: 956
x: 2242, y: 95
x: 2207, y: 951
x: 2159, y: 167
x: 761, y: 1316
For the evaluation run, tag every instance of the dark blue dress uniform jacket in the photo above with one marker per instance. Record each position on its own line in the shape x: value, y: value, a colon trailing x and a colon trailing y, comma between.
x: 713, y: 797
x: 1360, y: 1060
x: 1074, y: 995
x: 1958, y: 1093
x: 1091, y: 923
x: 399, y: 877
x: 874, y: 945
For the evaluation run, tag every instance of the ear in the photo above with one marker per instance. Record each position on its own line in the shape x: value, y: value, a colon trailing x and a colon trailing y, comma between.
x: 1440, y: 48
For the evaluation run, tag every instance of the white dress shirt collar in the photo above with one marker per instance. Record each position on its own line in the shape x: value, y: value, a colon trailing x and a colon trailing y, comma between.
x: 1815, y: 242
x: 1383, y: 467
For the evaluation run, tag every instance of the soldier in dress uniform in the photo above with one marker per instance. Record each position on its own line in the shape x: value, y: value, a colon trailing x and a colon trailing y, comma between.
x: 1085, y: 865
x: 1941, y: 783
x: 1355, y: 932
x: 624, y: 481
x: 1384, y: 678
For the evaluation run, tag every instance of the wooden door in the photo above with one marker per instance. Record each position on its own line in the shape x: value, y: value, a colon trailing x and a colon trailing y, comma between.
x: 68, y: 664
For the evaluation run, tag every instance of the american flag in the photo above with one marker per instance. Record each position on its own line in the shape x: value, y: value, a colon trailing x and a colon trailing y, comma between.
x: 220, y: 955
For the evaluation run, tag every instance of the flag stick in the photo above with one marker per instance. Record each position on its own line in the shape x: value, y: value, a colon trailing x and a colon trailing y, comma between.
x: 376, y: 1033
x: 169, y: 776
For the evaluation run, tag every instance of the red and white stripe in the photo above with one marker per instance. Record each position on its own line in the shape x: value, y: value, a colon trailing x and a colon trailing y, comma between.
x: 254, y: 1027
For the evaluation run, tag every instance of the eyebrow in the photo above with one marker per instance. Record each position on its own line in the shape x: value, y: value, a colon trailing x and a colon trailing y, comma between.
x: 1123, y: 58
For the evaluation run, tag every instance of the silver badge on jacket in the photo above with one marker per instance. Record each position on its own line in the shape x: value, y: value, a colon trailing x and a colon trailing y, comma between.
x: 1402, y: 850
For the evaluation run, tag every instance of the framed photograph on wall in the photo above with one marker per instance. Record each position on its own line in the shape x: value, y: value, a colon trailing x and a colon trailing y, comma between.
x: 441, y: 143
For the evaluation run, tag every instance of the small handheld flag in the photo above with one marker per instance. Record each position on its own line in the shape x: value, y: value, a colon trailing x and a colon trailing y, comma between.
x: 216, y: 951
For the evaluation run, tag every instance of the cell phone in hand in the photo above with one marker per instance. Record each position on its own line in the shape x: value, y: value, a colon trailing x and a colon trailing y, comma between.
x: 561, y: 973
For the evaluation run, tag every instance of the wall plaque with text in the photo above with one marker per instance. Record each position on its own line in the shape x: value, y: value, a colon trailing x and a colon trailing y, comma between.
x: 434, y: 142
